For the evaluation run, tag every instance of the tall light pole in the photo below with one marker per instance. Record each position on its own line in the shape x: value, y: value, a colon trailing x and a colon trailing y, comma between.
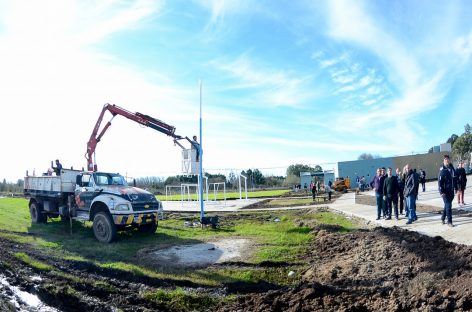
x: 200, y: 177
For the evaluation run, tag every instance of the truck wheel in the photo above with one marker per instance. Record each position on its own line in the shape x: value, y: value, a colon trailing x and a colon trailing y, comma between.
x: 36, y: 212
x: 149, y: 228
x: 104, y: 228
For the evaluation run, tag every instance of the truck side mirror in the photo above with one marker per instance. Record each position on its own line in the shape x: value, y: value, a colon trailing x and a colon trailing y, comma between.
x: 78, y: 180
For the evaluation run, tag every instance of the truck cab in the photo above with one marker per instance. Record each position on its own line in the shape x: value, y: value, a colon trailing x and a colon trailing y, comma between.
x: 104, y: 198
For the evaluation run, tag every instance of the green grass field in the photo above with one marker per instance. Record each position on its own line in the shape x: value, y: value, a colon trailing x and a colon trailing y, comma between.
x: 229, y: 195
x: 276, y: 241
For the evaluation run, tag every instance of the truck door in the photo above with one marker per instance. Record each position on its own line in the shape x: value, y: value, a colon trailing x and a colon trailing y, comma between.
x: 84, y: 191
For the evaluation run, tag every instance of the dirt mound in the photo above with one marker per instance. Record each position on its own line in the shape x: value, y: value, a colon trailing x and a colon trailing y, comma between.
x: 375, y: 270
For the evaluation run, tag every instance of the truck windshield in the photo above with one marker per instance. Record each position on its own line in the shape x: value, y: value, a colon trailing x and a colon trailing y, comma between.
x: 109, y: 179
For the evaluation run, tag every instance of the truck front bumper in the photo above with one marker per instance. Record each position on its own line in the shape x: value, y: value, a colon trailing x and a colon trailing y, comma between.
x: 135, y: 218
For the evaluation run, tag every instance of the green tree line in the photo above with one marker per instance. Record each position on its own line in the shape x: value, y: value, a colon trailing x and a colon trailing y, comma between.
x: 461, y: 145
x: 8, y: 188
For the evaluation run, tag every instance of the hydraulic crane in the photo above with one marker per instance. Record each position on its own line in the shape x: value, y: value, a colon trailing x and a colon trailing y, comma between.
x: 142, y: 119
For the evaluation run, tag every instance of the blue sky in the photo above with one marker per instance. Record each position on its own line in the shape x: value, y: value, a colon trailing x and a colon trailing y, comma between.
x: 284, y: 82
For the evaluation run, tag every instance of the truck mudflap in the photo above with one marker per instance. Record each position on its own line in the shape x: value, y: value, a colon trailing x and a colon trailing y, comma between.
x: 135, y: 218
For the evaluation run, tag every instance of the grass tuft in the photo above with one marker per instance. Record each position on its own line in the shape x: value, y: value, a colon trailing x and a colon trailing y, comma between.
x: 32, y: 263
x: 181, y: 300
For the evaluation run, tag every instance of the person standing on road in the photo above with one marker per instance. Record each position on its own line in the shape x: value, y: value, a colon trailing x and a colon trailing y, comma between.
x: 390, y: 194
x: 313, y: 190
x: 377, y: 185
x: 384, y: 202
x: 446, y: 186
x: 423, y: 179
x: 401, y: 184
x: 461, y: 183
x: 417, y: 182
x: 329, y: 191
x: 411, y: 192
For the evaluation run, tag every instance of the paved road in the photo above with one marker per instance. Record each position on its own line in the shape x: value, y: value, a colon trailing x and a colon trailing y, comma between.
x: 428, y: 223
x: 210, y: 206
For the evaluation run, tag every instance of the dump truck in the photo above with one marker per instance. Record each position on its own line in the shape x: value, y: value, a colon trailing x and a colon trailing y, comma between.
x: 104, y: 198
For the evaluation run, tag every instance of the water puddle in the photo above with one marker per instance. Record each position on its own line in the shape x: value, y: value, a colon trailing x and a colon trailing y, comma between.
x: 21, y: 300
x: 202, y: 254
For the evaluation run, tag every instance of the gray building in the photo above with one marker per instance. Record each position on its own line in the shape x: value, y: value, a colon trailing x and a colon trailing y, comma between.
x: 429, y: 162
x: 323, y: 176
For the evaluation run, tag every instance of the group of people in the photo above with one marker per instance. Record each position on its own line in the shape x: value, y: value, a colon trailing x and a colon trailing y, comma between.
x: 316, y: 188
x: 361, y: 183
x: 398, y: 193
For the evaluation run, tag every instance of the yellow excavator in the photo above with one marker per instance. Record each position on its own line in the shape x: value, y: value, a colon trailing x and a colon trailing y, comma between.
x: 342, y: 185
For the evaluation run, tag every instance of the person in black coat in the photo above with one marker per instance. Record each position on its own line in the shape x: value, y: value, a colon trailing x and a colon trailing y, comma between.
x: 401, y: 182
x: 461, y: 183
x: 313, y: 190
x: 390, y: 193
x: 410, y: 192
x: 446, y: 186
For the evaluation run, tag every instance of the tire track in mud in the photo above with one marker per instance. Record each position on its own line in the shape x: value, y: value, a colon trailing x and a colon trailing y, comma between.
x: 80, y: 286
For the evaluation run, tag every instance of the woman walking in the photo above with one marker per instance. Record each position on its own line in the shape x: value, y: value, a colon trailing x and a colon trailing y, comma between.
x: 461, y: 183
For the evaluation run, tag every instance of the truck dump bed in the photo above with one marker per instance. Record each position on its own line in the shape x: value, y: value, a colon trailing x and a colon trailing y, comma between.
x: 52, y: 185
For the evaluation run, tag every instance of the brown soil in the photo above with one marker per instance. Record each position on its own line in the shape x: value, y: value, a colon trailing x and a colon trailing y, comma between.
x: 365, y: 270
x: 375, y: 270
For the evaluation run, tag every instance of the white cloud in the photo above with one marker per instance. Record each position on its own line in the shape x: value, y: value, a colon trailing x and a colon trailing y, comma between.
x: 349, y: 22
x: 365, y: 81
x: 347, y: 88
x: 328, y: 63
x: 463, y: 46
x: 373, y: 90
x: 343, y: 79
x: 273, y: 86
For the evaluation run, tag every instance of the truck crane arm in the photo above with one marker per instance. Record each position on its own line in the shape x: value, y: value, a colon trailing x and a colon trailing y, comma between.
x: 142, y: 119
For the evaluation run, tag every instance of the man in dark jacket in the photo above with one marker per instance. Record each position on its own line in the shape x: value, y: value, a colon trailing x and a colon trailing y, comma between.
x: 401, y: 182
x: 446, y: 186
x: 390, y: 193
x: 411, y: 192
x: 377, y: 185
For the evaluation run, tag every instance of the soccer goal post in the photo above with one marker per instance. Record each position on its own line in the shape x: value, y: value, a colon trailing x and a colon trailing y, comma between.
x: 245, y: 186
x: 216, y: 189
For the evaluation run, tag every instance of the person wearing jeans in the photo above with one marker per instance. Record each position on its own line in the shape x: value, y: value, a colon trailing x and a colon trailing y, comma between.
x: 446, y: 186
x: 377, y: 185
x: 411, y: 192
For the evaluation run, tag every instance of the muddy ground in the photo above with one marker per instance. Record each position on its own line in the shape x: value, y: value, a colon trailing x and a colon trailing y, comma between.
x: 373, y: 269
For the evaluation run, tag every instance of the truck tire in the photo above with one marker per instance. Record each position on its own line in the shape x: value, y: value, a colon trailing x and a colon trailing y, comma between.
x: 149, y: 228
x: 36, y: 213
x: 104, y: 228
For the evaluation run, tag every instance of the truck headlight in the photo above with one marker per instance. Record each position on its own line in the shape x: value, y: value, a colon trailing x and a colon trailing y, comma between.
x: 122, y: 207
